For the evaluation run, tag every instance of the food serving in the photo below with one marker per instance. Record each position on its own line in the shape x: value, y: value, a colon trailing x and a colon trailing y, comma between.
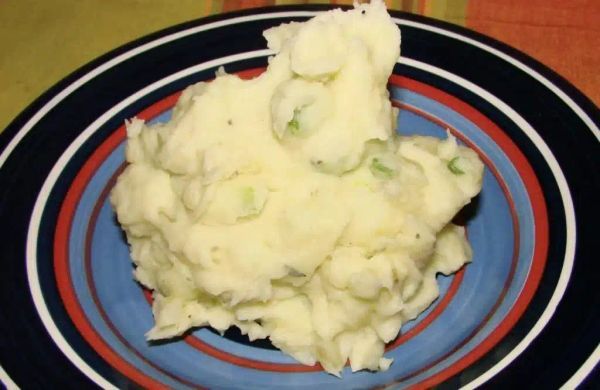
x: 288, y: 206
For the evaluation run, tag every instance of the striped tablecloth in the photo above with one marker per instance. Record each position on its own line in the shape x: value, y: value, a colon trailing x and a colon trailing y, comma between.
x: 41, y: 41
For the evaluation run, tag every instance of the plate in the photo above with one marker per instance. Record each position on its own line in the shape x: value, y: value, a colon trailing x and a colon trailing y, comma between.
x: 524, y: 312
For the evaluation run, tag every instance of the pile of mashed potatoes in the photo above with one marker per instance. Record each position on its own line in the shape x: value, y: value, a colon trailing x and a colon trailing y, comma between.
x: 288, y: 206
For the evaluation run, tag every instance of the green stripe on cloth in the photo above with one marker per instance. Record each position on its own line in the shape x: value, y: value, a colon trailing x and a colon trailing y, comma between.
x: 215, y: 6
x: 453, y: 11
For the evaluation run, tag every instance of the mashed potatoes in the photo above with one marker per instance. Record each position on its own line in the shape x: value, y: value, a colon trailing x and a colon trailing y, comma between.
x: 287, y: 206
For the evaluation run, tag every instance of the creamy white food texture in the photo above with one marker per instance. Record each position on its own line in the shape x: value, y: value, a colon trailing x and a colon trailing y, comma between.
x: 287, y: 205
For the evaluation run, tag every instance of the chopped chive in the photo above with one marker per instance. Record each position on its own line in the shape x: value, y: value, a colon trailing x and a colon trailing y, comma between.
x: 294, y: 125
x: 248, y: 196
x: 380, y: 170
x: 453, y: 168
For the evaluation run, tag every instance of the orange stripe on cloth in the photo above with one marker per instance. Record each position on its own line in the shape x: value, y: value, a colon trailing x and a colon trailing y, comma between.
x: 562, y: 34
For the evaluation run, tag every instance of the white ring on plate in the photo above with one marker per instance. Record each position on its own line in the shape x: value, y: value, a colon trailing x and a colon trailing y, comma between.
x: 583, y: 371
x: 36, y: 215
x: 6, y: 380
x: 74, y: 146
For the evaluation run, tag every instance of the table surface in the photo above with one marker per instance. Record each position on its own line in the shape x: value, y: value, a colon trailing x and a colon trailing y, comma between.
x: 42, y: 41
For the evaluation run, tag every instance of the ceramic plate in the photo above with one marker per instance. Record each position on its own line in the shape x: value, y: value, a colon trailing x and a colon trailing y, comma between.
x: 525, y: 312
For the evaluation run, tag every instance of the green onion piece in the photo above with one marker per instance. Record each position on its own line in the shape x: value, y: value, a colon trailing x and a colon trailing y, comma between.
x: 453, y: 168
x: 248, y: 197
x: 380, y: 170
x: 294, y: 125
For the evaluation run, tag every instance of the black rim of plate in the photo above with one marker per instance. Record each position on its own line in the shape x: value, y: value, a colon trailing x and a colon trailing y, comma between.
x: 566, y: 347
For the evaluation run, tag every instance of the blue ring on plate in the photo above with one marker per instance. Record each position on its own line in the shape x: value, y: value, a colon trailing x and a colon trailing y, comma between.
x: 113, y: 163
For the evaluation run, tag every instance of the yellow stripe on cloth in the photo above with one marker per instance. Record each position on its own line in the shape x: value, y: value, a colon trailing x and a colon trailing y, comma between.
x: 44, y: 41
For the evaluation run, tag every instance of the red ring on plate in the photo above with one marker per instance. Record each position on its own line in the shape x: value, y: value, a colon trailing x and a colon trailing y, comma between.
x: 67, y: 211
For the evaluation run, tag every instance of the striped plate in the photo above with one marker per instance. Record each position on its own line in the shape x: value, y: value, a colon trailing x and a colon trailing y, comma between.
x: 524, y: 312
